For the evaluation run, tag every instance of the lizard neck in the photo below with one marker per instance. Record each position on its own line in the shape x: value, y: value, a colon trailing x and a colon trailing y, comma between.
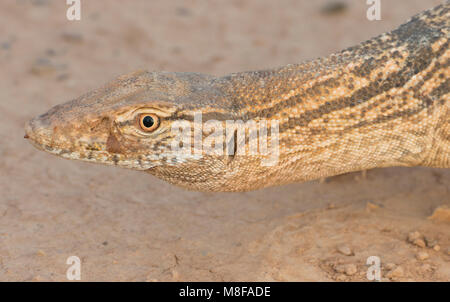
x: 377, y: 104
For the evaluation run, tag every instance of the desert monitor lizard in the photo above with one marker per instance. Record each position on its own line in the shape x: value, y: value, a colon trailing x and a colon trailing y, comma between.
x: 382, y: 103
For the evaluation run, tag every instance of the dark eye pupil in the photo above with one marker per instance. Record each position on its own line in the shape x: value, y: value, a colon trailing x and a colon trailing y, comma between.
x: 148, y: 121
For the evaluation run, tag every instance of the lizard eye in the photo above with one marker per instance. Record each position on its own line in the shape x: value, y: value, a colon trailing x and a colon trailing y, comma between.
x: 148, y: 122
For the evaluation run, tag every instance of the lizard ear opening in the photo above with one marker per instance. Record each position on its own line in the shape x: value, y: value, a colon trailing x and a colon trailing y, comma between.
x: 148, y: 122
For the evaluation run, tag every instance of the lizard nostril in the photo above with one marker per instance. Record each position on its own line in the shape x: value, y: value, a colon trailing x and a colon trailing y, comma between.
x: 28, y: 129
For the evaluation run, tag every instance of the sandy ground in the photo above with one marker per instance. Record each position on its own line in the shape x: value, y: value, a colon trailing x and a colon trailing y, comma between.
x: 128, y: 225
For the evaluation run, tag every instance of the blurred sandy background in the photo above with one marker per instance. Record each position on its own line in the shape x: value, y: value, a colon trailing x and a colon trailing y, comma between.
x: 127, y: 225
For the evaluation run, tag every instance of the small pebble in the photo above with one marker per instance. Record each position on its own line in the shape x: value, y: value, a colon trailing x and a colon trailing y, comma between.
x: 437, y: 248
x: 371, y: 206
x: 430, y: 242
x: 175, y: 274
x: 414, y: 236
x: 345, y: 250
x: 351, y: 269
x: 441, y: 214
x: 422, y: 256
x: 37, y: 278
x: 419, y: 242
x: 339, y: 268
x: 395, y: 273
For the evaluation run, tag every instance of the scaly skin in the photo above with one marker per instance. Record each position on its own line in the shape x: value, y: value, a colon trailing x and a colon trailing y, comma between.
x: 382, y: 103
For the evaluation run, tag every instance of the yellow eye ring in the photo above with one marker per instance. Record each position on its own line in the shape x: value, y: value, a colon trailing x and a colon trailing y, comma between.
x: 148, y: 122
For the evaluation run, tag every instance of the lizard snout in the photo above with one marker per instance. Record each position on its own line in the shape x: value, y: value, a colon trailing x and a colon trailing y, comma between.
x: 38, y: 131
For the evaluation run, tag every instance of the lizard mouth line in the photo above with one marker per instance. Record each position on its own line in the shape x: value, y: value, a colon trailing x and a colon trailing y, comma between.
x: 93, y: 156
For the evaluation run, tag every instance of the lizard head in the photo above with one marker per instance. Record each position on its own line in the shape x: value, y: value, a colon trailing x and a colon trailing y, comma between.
x: 125, y: 123
x: 129, y: 123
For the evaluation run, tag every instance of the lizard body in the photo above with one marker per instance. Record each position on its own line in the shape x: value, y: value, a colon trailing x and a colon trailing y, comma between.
x: 384, y: 102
